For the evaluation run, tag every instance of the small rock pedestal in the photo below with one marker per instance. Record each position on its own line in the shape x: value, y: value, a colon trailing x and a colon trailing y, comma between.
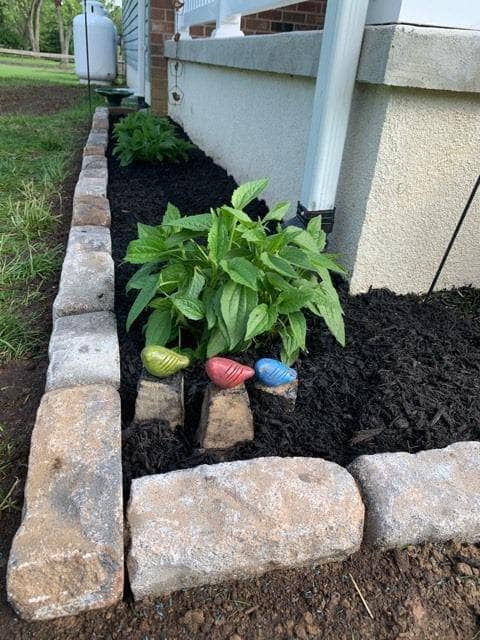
x: 226, y: 418
x: 160, y: 399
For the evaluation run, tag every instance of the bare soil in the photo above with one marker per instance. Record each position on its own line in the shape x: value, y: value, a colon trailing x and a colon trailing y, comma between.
x: 39, y: 99
x: 419, y: 593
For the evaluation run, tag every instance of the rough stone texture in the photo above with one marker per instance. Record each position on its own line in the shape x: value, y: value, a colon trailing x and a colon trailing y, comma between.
x: 89, y: 238
x: 431, y: 495
x: 97, y: 143
x: 100, y: 119
x: 285, y: 392
x: 160, y: 399
x: 91, y: 210
x: 93, y: 171
x: 67, y: 555
x: 238, y: 519
x: 88, y: 186
x: 86, y: 284
x: 94, y: 162
x: 84, y: 350
x: 226, y: 418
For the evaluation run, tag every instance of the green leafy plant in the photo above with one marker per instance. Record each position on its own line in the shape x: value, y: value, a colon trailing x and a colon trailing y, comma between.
x: 228, y: 281
x: 143, y: 136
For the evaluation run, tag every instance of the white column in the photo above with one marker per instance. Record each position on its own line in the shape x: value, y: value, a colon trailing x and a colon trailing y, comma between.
x: 341, y: 44
x: 228, y: 25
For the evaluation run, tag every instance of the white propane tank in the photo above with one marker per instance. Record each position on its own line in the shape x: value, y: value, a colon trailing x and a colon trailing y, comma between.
x: 102, y: 45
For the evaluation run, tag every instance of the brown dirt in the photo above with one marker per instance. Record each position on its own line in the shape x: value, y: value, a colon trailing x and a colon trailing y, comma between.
x: 422, y: 592
x: 38, y: 99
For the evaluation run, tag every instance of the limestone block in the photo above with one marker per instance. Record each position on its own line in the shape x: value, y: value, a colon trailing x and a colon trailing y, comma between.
x: 67, y: 555
x: 226, y: 418
x: 91, y: 210
x: 92, y: 171
x: 239, y: 519
x: 88, y: 186
x: 432, y: 495
x: 86, y: 284
x: 89, y: 238
x: 97, y: 143
x: 160, y: 399
x: 84, y: 350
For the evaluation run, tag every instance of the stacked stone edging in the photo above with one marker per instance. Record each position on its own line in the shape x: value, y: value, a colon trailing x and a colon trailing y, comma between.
x: 67, y: 555
x: 431, y: 495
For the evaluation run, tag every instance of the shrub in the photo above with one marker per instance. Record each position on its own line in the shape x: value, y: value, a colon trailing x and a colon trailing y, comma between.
x: 148, y: 138
x: 223, y: 277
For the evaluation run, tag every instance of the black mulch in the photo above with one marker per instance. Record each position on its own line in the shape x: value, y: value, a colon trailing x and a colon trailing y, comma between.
x: 408, y: 379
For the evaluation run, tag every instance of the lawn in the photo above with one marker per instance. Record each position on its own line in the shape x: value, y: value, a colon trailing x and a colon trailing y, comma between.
x: 35, y: 160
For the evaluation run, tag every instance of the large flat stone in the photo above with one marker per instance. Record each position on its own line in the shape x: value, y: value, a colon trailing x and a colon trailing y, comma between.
x: 67, y: 555
x: 89, y: 238
x: 91, y: 210
x: 239, y: 519
x: 84, y: 350
x: 86, y: 284
x: 410, y: 498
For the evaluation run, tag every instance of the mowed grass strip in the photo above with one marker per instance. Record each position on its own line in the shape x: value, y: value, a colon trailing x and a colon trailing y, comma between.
x: 35, y: 159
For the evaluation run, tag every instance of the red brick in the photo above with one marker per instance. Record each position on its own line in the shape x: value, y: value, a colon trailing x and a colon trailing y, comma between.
x: 291, y: 16
x: 314, y: 19
x: 274, y: 14
x: 257, y: 25
x: 157, y: 14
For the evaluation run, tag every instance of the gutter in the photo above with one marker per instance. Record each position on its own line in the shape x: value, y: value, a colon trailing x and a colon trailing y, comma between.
x: 337, y: 70
x: 140, y: 89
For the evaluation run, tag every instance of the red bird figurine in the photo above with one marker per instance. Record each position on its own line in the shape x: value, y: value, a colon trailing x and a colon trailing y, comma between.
x: 226, y: 373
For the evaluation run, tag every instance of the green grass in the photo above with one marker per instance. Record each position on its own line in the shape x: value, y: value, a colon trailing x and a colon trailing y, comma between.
x: 23, y: 74
x: 35, y: 158
x: 29, y: 61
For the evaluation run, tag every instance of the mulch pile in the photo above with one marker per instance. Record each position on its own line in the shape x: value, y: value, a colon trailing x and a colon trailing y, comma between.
x: 408, y: 378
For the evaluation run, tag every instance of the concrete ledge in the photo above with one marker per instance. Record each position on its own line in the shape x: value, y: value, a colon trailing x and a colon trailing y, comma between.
x: 398, y: 55
x: 238, y: 519
x: 67, y: 555
x: 432, y: 495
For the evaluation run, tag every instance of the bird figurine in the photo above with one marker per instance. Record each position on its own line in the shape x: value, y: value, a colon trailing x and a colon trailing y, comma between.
x: 226, y: 373
x: 162, y: 362
x: 273, y: 373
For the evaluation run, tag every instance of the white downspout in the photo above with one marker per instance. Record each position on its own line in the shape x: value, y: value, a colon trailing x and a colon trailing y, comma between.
x: 141, y: 51
x: 337, y: 70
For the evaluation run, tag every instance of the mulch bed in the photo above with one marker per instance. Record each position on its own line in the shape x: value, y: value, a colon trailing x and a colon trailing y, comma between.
x: 407, y: 380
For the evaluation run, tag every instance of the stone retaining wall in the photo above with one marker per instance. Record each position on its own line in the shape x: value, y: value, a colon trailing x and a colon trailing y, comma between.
x: 67, y: 555
x: 200, y: 525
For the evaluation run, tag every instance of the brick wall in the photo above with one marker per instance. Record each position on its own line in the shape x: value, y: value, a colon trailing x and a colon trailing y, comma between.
x: 304, y: 16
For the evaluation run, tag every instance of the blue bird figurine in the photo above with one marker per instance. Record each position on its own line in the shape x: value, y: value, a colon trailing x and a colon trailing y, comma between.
x: 273, y: 373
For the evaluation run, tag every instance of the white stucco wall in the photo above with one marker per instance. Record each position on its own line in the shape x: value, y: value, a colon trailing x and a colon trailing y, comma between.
x: 410, y: 160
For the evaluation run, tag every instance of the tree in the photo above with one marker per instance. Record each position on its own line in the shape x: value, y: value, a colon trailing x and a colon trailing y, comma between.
x: 65, y: 12
x: 33, y: 24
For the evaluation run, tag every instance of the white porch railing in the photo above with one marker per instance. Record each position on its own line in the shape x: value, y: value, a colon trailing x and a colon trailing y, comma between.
x: 225, y: 13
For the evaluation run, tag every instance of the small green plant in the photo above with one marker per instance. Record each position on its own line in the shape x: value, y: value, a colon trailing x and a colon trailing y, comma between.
x: 223, y: 277
x: 143, y: 136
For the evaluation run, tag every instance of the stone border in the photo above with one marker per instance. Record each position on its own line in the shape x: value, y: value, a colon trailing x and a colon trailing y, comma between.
x: 200, y: 525
x: 67, y: 555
